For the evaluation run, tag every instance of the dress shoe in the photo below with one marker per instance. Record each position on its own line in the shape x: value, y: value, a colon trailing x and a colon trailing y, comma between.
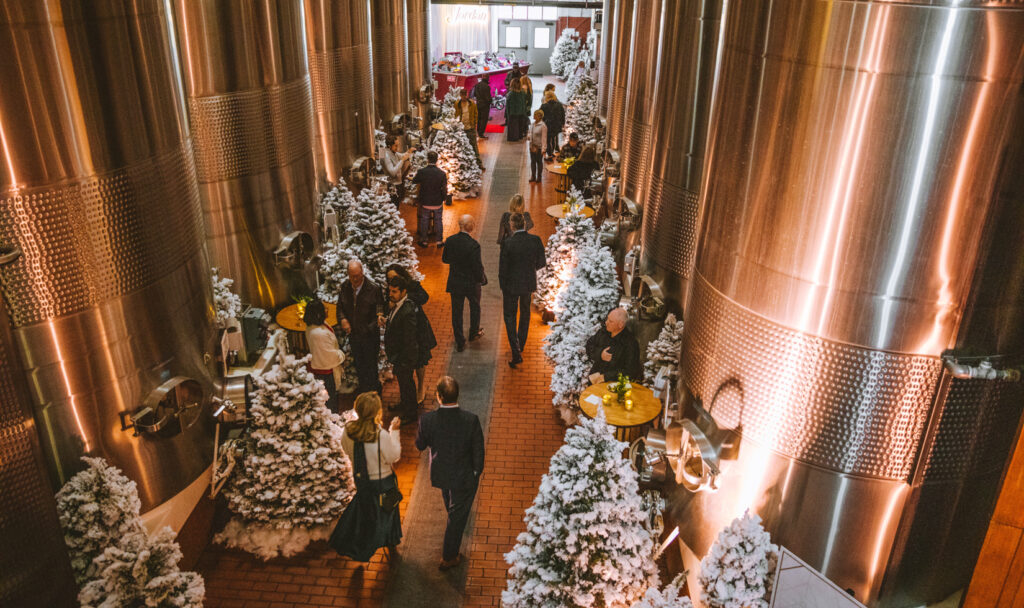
x: 423, y: 244
x: 481, y: 136
x: 440, y: 245
x: 477, y: 336
x: 459, y: 347
x: 515, y: 362
x: 448, y: 564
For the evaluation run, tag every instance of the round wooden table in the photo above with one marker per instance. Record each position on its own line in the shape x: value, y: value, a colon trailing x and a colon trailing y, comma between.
x: 556, y: 211
x: 629, y: 424
x: 290, y: 319
x: 560, y: 171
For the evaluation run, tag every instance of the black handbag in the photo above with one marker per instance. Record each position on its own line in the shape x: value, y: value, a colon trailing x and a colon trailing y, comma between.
x: 390, y: 498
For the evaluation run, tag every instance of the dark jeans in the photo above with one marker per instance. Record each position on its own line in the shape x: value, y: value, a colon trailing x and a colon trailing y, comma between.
x: 516, y: 330
x: 552, y: 141
x: 471, y: 136
x: 399, y: 193
x: 458, y: 503
x: 407, y: 405
x: 332, y: 390
x: 423, y: 219
x: 365, y: 350
x: 483, y: 115
x: 536, y: 165
x: 458, y: 300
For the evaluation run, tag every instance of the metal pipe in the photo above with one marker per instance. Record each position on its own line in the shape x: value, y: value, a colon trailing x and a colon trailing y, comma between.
x: 250, y: 106
x: 341, y: 75
x: 111, y: 295
x: 982, y: 371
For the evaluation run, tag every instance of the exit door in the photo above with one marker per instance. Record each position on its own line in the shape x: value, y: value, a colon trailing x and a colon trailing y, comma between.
x: 532, y: 41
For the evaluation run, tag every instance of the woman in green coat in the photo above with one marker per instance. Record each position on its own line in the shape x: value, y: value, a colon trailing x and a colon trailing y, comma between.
x: 517, y: 106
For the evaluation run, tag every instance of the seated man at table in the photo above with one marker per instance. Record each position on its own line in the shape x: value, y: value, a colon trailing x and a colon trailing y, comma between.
x: 572, y: 148
x: 614, y: 350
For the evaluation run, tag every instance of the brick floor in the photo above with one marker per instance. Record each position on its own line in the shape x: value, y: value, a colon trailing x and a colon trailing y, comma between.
x: 523, y: 433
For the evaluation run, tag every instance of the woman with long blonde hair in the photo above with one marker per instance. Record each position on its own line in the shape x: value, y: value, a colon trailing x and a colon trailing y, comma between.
x: 371, y: 520
x: 515, y: 205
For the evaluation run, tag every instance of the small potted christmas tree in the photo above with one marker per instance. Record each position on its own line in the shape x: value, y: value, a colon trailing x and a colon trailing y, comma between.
x: 664, y: 350
x: 739, y: 570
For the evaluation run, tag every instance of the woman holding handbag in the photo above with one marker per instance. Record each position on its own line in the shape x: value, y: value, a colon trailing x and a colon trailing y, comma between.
x: 371, y: 520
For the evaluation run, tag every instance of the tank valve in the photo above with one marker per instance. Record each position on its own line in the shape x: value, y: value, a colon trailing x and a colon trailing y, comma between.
x: 294, y: 250
x: 982, y: 371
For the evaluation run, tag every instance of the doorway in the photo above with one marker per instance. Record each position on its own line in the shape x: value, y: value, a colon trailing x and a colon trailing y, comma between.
x: 531, y: 40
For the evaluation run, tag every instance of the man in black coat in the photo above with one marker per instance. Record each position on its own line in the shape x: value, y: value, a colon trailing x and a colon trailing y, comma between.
x: 401, y: 345
x: 433, y: 184
x: 456, y: 443
x: 482, y: 94
x: 522, y: 255
x: 359, y: 301
x: 613, y: 350
x: 465, y: 277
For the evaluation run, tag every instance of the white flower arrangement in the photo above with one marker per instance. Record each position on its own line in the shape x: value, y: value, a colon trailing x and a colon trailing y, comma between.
x: 226, y: 304
x: 664, y: 350
x: 585, y: 543
x: 739, y: 570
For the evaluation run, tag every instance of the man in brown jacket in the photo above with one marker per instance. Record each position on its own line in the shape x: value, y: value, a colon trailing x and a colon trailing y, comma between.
x: 465, y: 112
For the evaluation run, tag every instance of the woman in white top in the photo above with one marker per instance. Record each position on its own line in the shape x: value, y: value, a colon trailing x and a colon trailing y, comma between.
x: 536, y: 138
x: 323, y: 346
x: 395, y: 166
x: 366, y: 525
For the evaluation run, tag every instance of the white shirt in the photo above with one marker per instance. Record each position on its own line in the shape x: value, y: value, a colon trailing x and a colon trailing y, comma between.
x: 538, y: 134
x: 323, y: 345
x: 393, y: 163
x: 390, y: 449
x: 397, y: 306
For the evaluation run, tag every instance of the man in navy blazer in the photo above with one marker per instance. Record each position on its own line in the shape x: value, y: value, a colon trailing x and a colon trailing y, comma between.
x: 456, y: 443
x: 522, y: 255
x: 465, y: 277
x: 433, y: 193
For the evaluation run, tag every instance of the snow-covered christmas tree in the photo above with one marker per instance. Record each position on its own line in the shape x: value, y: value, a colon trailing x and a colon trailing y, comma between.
x: 669, y: 597
x: 581, y: 109
x: 572, y: 231
x: 585, y: 543
x: 664, y: 350
x: 376, y: 235
x: 97, y: 506
x: 456, y: 158
x: 416, y: 162
x: 592, y: 292
x: 115, y: 562
x: 739, y: 570
x: 333, y: 271
x: 226, y: 304
x: 142, y: 572
x: 292, y: 479
x: 340, y: 199
x: 448, y: 103
x: 565, y: 55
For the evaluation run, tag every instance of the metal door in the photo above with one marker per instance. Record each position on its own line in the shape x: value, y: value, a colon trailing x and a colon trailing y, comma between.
x: 532, y: 41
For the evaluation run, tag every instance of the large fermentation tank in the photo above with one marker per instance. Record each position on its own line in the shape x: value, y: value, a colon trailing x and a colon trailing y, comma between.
x: 341, y: 73
x: 250, y: 107
x: 682, y: 104
x: 418, y: 14
x: 620, y: 65
x: 858, y: 227
x: 111, y: 295
x: 390, y: 59
x: 606, y: 58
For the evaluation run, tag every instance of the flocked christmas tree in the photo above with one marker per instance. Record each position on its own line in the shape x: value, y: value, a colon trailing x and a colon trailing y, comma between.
x: 456, y: 158
x: 561, y: 251
x: 376, y: 235
x: 565, y: 55
x: 585, y: 543
x: 581, y: 109
x: 669, y: 597
x: 341, y: 200
x: 333, y: 271
x: 142, y: 572
x: 292, y: 479
x: 116, y: 563
x: 416, y: 162
x: 739, y: 570
x: 664, y: 350
x: 226, y: 304
x: 591, y: 293
x: 448, y: 103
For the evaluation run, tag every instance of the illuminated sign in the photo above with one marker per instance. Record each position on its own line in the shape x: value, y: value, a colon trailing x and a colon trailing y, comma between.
x: 468, y: 14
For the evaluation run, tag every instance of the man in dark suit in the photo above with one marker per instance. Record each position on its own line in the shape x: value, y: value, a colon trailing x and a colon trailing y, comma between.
x: 482, y: 94
x: 465, y: 277
x: 456, y: 443
x: 433, y: 184
x: 401, y: 345
x: 613, y: 350
x: 359, y: 301
x: 522, y: 255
